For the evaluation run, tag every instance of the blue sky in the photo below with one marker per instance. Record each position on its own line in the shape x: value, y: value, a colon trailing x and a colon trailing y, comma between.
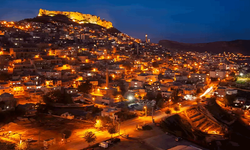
x: 191, y: 21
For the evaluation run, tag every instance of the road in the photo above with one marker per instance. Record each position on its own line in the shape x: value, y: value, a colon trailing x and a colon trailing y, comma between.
x: 126, y: 127
x: 129, y: 126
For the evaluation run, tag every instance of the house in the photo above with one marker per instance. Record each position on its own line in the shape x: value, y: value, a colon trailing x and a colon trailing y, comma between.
x: 218, y: 74
x: 136, y: 83
x: 203, y: 78
x: 231, y: 91
x: 147, y: 78
x: 169, y: 73
x: 156, y: 85
x: 221, y: 92
x: 29, y: 108
x: 7, y: 102
x: 181, y: 78
x: 110, y: 112
x: 166, y: 94
x: 102, y: 100
x: 189, y: 91
x: 71, y: 90
x: 53, y: 74
x: 67, y: 116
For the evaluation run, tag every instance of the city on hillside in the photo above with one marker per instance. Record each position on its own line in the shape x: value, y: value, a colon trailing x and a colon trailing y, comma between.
x: 67, y: 83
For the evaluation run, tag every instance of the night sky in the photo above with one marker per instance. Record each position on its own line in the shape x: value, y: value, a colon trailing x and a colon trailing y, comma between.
x: 191, y: 21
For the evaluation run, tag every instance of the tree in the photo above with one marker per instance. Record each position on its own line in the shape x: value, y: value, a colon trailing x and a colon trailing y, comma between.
x: 21, y: 145
x: 122, y: 87
x: 174, y: 95
x: 229, y: 100
x: 149, y: 96
x: 160, y: 103
x: 168, y: 111
x: 176, y: 108
x: 89, y: 137
x: 232, y: 74
x: 89, y: 116
x: 96, y: 110
x: 198, y: 91
x: 4, y: 76
x: 105, y: 120
x: 158, y: 97
x: 85, y: 87
x: 58, y: 96
x: 155, y: 64
x: 112, y: 130
x: 159, y: 100
x: 127, y: 65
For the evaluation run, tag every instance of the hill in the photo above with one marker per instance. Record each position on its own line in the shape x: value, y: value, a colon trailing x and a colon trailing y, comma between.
x: 236, y: 46
x: 64, y: 19
x: 78, y: 17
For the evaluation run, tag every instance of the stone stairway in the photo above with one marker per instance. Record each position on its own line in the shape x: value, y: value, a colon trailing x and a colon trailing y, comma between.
x: 202, y: 122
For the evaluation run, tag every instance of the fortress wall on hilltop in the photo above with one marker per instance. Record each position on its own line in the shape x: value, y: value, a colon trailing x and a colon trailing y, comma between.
x: 78, y: 17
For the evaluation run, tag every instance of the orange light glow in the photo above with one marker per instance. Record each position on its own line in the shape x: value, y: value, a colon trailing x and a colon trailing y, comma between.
x: 98, y: 123
x: 79, y: 79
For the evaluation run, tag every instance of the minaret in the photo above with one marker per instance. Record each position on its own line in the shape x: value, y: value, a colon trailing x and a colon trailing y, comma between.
x: 107, y: 77
x: 137, y: 49
x: 146, y: 38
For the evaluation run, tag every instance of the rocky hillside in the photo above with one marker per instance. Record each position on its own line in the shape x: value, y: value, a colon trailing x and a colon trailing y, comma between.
x: 64, y: 19
x: 78, y: 17
x: 237, y: 46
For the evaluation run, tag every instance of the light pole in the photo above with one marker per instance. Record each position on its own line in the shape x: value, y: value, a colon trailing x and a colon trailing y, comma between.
x: 169, y: 103
x: 145, y: 107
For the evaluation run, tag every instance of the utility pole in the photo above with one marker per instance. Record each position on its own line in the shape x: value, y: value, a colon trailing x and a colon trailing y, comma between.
x: 152, y: 112
x: 39, y: 138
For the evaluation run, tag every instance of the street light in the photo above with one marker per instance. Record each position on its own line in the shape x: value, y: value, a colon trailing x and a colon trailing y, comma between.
x: 145, y: 110
x: 130, y: 98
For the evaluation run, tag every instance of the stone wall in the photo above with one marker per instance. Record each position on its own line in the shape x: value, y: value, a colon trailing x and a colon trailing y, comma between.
x: 78, y: 17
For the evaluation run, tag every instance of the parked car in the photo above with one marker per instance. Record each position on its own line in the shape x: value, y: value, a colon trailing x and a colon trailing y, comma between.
x: 178, y: 139
x: 104, y: 145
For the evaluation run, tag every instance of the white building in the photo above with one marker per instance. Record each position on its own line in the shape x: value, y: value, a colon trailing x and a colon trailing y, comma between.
x: 136, y: 84
x: 217, y: 74
x: 231, y: 91
x: 199, y: 77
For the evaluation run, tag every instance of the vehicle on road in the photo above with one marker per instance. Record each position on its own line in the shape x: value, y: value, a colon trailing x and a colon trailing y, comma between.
x: 177, y: 139
x: 104, y: 145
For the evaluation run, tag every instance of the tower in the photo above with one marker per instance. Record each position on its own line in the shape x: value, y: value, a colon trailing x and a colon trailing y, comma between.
x: 107, y: 77
x: 146, y: 38
x: 137, y: 49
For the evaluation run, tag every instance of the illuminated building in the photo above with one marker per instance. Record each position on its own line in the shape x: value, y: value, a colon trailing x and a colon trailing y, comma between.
x: 8, y: 102
x: 78, y: 17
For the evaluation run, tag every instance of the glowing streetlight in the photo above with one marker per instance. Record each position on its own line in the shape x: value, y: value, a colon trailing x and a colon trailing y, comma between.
x: 98, y: 123
x: 130, y: 98
x: 145, y: 110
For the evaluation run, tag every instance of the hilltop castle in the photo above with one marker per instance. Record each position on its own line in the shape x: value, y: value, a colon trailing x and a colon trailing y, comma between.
x: 78, y: 17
